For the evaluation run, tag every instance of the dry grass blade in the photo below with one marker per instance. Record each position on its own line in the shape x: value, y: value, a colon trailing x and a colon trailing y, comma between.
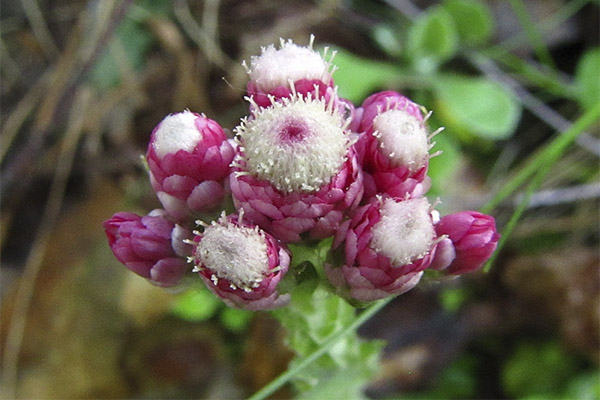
x: 36, y: 254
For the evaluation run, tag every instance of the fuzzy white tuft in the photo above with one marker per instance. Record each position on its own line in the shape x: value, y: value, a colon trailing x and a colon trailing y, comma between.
x: 277, y: 67
x: 297, y: 145
x: 405, y: 232
x: 402, y: 137
x: 235, y: 253
x: 176, y: 132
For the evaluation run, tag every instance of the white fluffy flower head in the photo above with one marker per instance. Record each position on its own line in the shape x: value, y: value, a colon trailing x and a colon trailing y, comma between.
x: 176, y: 132
x: 233, y: 252
x: 297, y: 144
x: 277, y: 67
x: 405, y: 231
x: 402, y: 137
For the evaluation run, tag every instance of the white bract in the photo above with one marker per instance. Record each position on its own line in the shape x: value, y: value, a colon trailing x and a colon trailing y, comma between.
x: 405, y: 231
x: 176, y: 132
x: 402, y: 137
x: 277, y: 67
x: 235, y: 253
x: 297, y: 144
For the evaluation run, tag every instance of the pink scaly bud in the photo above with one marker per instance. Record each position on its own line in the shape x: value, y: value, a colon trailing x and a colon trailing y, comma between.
x: 151, y: 246
x: 279, y: 73
x: 189, y: 157
x: 474, y: 237
x: 241, y: 263
x: 394, y: 146
x: 296, y: 173
x: 384, y: 249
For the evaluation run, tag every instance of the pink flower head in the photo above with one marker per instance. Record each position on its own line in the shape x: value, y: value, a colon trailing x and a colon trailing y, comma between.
x: 151, y: 246
x: 296, y: 172
x: 189, y: 157
x: 474, y: 238
x: 385, y: 248
x: 394, y: 146
x: 279, y: 73
x: 241, y: 263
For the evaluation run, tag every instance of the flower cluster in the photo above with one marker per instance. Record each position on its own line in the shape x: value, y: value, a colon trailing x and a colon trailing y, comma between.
x: 304, y: 165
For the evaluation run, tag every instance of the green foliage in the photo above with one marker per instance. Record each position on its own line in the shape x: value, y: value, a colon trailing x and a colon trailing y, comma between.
x: 195, y: 305
x: 314, y: 315
x: 129, y: 46
x: 537, y: 370
x: 473, y: 20
x: 457, y: 381
x: 234, y: 319
x: 584, y: 386
x: 453, y: 298
x: 358, y: 77
x: 387, y: 38
x: 587, y: 79
x: 442, y: 167
x: 432, y: 39
x: 477, y: 106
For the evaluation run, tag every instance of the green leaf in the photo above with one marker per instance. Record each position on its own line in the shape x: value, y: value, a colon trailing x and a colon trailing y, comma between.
x: 443, y: 167
x: 480, y: 106
x: 131, y: 42
x: 586, y: 78
x: 537, y: 369
x: 585, y: 386
x: 358, y: 77
x: 311, y: 318
x: 432, y: 39
x: 235, y: 319
x: 195, y: 305
x: 473, y: 20
x: 387, y: 38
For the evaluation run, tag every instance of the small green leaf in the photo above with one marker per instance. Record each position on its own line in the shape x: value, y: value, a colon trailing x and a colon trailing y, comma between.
x: 313, y: 315
x: 473, y: 20
x: 481, y: 106
x: 235, y: 319
x: 432, y: 39
x: 537, y: 369
x: 358, y: 77
x: 443, y: 167
x: 195, y: 305
x: 586, y: 78
x: 387, y: 38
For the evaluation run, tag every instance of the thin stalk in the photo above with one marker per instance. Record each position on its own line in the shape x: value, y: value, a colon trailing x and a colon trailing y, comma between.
x: 551, y: 151
x: 286, y: 376
x: 533, y: 34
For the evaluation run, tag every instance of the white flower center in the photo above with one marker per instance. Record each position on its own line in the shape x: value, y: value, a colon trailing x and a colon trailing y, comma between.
x: 297, y: 145
x: 402, y: 137
x: 176, y: 132
x: 235, y: 253
x: 405, y: 231
x: 276, y: 67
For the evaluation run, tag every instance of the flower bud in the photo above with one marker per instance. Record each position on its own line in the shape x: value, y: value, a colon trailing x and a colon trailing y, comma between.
x: 188, y: 157
x: 279, y: 73
x: 241, y: 263
x: 296, y: 172
x: 386, y: 246
x: 474, y: 237
x: 394, y: 146
x: 147, y: 246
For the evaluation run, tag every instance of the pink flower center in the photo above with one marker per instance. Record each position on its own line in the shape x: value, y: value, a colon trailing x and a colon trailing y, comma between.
x: 293, y: 131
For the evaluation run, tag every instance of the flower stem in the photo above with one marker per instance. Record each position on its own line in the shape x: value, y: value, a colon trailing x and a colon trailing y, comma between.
x: 549, y: 154
x: 286, y: 376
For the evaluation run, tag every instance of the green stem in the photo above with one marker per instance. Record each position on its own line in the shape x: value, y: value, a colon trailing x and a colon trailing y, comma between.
x: 551, y: 152
x: 533, y: 34
x: 539, y: 168
x: 286, y: 376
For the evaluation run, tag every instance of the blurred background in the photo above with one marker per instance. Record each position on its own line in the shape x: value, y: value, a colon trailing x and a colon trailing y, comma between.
x: 83, y: 83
